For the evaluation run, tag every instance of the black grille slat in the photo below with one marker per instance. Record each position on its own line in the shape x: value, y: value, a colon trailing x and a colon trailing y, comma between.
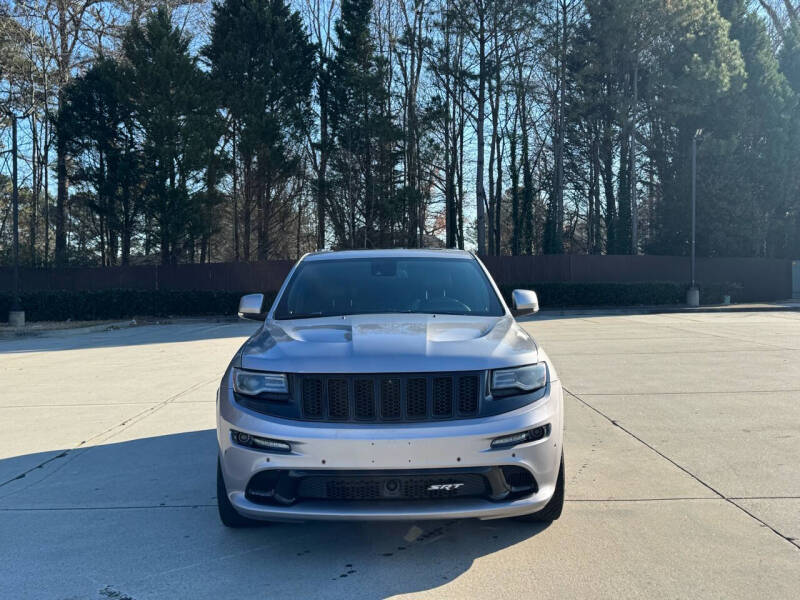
x: 312, y: 398
x: 287, y: 487
x: 401, y: 487
x: 442, y: 397
x: 338, y: 401
x: 363, y: 489
x: 417, y: 398
x: 364, y: 392
x: 468, y: 386
x: 391, y: 397
x: 387, y: 397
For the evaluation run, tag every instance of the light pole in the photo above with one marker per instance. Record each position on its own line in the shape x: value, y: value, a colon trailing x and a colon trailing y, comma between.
x: 16, y: 315
x: 693, y: 295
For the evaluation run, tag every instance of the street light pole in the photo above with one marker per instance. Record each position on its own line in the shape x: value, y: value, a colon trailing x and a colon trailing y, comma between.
x: 16, y: 316
x: 694, y: 204
x: 693, y: 294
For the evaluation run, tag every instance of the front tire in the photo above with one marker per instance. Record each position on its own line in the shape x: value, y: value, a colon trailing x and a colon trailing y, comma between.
x: 552, y: 509
x: 228, y: 514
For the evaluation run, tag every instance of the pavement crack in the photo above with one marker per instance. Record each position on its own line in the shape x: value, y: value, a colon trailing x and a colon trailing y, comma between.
x: 677, y: 499
x: 92, y: 508
x: 732, y: 337
x: 705, y: 484
x: 104, y: 435
x: 680, y: 352
x: 688, y: 393
x: 39, y: 466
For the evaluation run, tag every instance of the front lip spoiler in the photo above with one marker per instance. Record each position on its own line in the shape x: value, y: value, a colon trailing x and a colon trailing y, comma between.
x: 418, y: 510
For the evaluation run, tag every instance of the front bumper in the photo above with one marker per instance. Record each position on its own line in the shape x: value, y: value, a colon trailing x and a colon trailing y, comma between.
x: 430, y: 445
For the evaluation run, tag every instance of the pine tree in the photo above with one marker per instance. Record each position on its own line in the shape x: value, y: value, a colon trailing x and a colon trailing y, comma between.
x: 262, y: 65
x: 166, y: 88
x: 97, y: 128
x: 363, y: 135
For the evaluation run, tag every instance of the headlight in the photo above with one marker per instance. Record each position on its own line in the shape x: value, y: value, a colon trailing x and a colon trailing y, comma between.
x: 253, y: 383
x: 522, y: 379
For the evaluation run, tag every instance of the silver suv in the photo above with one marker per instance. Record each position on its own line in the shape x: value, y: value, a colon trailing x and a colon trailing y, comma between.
x: 389, y: 384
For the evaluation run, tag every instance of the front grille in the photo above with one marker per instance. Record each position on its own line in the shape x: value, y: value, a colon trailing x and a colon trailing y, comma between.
x: 468, y: 394
x: 364, y: 399
x: 442, y: 396
x: 402, y: 487
x: 390, y: 400
x: 287, y: 487
x: 338, y: 400
x: 344, y: 490
x: 388, y: 397
x: 312, y: 398
x: 416, y: 398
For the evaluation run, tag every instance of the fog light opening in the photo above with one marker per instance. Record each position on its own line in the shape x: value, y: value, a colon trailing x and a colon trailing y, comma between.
x: 532, y: 435
x: 253, y: 441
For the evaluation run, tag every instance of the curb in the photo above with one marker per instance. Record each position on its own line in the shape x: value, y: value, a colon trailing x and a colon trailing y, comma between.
x: 15, y: 334
x: 651, y: 310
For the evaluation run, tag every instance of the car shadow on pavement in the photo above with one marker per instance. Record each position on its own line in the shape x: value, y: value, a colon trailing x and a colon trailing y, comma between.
x: 138, y: 518
x: 165, y: 333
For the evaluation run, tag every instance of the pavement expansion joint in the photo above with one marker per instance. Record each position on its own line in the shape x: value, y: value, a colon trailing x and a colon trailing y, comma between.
x: 92, y: 508
x: 790, y: 540
x: 107, y: 433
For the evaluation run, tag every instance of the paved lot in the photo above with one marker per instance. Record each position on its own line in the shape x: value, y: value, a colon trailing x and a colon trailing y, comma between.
x: 683, y: 475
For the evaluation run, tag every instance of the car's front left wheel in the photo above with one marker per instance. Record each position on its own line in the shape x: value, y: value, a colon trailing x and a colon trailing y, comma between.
x: 552, y: 509
x: 228, y: 514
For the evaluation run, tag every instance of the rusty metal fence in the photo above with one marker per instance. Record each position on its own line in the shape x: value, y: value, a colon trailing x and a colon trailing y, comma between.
x: 756, y: 278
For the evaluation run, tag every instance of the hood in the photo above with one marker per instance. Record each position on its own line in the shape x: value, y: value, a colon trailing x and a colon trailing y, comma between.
x: 389, y: 344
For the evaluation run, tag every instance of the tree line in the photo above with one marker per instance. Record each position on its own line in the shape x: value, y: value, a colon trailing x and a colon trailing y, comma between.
x: 188, y: 131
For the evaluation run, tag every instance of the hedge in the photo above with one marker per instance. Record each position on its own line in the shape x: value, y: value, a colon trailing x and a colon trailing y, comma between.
x: 565, y: 295
x: 122, y: 304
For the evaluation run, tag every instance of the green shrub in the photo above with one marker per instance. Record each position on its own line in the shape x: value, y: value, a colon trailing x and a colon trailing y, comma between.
x: 563, y: 295
x: 123, y: 304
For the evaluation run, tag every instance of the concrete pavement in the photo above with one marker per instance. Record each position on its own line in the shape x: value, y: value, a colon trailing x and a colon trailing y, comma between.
x: 683, y: 479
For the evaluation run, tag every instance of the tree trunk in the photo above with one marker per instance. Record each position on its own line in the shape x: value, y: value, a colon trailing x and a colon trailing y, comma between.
x: 46, y: 215
x: 594, y: 196
x: 498, y: 194
x: 34, y: 192
x: 247, y: 208
x: 480, y: 192
x: 526, y: 217
x: 61, y: 201
x: 490, y: 212
x: 323, y: 156
x: 61, y: 149
x: 514, y: 190
x: 632, y: 177
x: 607, y: 171
x: 623, y: 230
x: 235, y: 209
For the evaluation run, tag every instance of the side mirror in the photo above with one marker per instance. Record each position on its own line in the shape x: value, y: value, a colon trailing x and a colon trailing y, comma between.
x: 525, y: 302
x: 251, y: 307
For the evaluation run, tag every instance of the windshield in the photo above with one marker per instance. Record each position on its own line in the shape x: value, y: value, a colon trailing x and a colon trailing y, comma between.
x: 353, y: 286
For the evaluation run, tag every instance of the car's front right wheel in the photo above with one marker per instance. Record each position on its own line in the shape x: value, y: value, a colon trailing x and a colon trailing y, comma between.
x: 228, y: 514
x: 552, y: 509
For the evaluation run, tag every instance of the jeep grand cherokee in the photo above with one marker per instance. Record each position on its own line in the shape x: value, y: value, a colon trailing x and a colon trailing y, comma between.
x: 389, y: 384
